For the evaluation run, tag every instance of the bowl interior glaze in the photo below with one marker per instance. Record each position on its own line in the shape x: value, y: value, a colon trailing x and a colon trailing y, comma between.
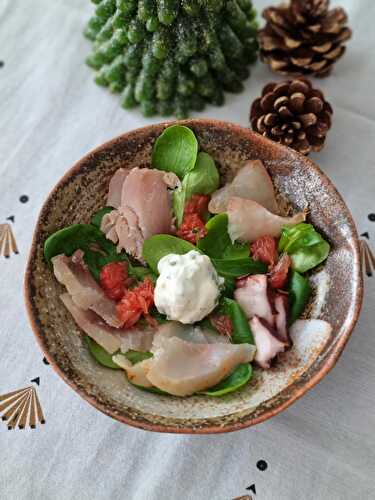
x: 338, y: 284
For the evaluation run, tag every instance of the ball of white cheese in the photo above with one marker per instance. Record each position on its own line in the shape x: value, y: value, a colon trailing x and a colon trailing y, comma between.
x: 187, y: 288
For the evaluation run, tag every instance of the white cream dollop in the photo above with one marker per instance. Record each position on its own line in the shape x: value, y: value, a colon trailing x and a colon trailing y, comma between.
x: 187, y: 288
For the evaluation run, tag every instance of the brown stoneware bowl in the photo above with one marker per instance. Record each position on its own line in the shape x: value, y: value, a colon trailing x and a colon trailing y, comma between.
x: 337, y: 284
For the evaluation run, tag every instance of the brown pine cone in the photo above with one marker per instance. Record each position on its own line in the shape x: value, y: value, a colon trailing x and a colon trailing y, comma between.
x: 292, y: 113
x: 303, y: 38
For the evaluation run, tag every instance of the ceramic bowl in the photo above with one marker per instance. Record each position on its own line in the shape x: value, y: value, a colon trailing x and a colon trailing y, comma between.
x: 337, y: 284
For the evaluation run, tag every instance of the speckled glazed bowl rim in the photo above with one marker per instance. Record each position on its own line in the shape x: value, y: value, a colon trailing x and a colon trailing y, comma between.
x: 297, y: 391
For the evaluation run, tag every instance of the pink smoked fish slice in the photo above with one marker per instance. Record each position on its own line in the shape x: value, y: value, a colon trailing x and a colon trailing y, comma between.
x: 183, y: 368
x: 251, y: 182
x: 145, y: 192
x: 115, y: 187
x: 84, y: 290
x: 248, y: 221
x: 103, y: 334
x: 267, y: 345
x: 111, y: 339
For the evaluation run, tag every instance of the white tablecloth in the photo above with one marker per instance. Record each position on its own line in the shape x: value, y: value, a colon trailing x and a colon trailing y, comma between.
x: 51, y: 113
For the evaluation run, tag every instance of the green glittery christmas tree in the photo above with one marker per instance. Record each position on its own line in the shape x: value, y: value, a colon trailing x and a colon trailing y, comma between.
x: 172, y: 56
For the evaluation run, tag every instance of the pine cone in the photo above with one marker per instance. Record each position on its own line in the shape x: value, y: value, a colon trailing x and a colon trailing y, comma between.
x: 292, y: 113
x: 303, y: 38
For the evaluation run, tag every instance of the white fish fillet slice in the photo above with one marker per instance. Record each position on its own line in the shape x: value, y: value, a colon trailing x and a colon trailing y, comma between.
x: 183, y: 368
x: 248, y: 220
x: 84, y: 290
x: 137, y: 340
x: 251, y: 182
x: 189, y: 333
x: 176, y: 329
x: 253, y: 298
x: 137, y: 374
x: 215, y: 338
x: 103, y: 334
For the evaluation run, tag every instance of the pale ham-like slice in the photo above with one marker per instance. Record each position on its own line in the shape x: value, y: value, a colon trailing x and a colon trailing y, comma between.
x: 121, y: 227
x: 171, y: 180
x: 183, y: 368
x: 108, y: 225
x: 251, y: 182
x: 145, y: 208
x: 248, y: 220
x: 103, y: 334
x: 115, y: 188
x: 251, y: 294
x: 281, y: 307
x: 137, y: 374
x: 267, y: 344
x: 145, y: 191
x: 84, y: 290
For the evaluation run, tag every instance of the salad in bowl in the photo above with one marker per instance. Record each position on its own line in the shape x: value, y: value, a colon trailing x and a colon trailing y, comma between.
x: 184, y: 280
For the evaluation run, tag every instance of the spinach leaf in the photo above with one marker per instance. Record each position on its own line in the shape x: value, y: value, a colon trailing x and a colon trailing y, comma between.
x: 160, y: 318
x: 100, y: 354
x: 309, y: 257
x: 235, y: 268
x: 175, y: 150
x: 179, y: 199
x: 140, y: 273
x: 298, y: 236
x: 78, y: 236
x: 305, y: 245
x: 98, y: 251
x: 299, y: 293
x: 237, y: 379
x: 242, y: 333
x: 203, y: 179
x: 156, y: 247
x: 229, y: 287
x: 97, y: 218
x: 217, y: 243
x: 137, y: 356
